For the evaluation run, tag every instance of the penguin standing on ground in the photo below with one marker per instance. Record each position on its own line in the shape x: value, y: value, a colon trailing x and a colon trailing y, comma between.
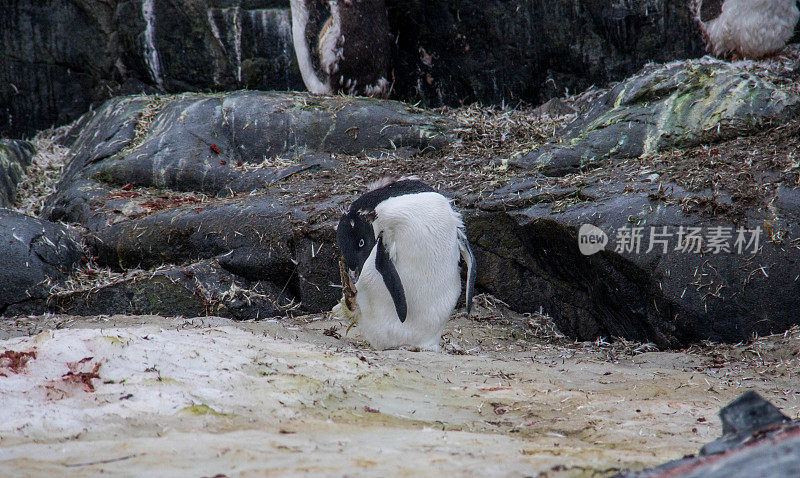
x: 342, y: 46
x: 748, y: 28
x: 402, y: 244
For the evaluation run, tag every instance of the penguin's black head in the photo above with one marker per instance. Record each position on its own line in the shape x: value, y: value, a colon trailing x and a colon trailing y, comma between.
x: 355, y: 234
x: 356, y: 238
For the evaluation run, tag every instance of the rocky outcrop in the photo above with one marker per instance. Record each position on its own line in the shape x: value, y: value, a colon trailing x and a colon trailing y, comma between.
x: 651, y: 280
x: 246, y: 188
x: 63, y: 56
x: 679, y: 105
x: 33, y: 252
x: 15, y: 156
x: 673, y: 292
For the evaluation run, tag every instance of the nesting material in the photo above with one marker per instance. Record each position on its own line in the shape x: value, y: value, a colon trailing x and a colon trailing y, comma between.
x: 347, y: 307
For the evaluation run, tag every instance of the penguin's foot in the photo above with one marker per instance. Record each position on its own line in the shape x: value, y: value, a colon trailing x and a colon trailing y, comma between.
x: 341, y: 310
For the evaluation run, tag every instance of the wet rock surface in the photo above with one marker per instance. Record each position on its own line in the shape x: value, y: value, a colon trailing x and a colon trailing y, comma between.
x: 64, y: 56
x: 33, y: 251
x: 15, y: 156
x: 459, y: 51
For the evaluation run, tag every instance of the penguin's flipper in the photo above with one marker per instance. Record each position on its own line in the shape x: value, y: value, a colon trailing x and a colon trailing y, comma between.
x: 469, y: 259
x: 391, y: 278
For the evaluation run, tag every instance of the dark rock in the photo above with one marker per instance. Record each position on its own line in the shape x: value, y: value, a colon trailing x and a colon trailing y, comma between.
x: 15, y: 156
x: 202, y: 143
x: 526, y: 243
x: 555, y: 107
x: 759, y: 441
x: 62, y: 56
x: 774, y: 455
x: 679, y: 105
x: 460, y: 51
x: 527, y: 232
x: 202, y: 288
x: 741, y: 418
x: 254, y: 237
x: 33, y: 251
x: 748, y: 414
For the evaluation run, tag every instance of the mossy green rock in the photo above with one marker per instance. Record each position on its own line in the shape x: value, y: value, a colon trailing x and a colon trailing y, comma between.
x: 678, y: 105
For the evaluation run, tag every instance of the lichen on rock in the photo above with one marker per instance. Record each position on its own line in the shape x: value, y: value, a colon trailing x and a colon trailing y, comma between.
x: 677, y: 105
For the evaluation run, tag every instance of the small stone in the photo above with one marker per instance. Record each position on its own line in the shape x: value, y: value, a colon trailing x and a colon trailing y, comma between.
x: 749, y: 413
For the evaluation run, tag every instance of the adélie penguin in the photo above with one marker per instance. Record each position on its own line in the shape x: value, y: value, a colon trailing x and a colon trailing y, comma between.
x: 402, y: 244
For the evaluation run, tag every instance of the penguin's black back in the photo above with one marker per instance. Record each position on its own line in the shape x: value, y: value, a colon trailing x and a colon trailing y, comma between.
x: 369, y: 201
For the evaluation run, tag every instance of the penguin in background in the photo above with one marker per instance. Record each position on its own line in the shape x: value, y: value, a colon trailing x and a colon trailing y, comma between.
x: 342, y: 46
x: 402, y: 244
x: 747, y: 28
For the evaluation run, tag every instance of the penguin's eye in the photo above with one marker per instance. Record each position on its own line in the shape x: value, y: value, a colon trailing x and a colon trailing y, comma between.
x: 361, y: 243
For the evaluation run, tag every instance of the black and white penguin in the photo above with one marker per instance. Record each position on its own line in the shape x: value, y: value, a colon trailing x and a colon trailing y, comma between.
x: 747, y: 28
x: 342, y: 46
x: 402, y: 244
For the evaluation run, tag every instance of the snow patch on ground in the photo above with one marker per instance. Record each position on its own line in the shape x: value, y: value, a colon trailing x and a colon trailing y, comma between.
x: 159, y: 373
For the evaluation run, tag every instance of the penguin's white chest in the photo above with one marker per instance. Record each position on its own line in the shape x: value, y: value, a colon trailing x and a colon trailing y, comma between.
x: 421, y: 232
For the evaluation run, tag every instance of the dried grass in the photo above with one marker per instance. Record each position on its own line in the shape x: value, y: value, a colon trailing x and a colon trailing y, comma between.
x: 470, y: 167
x: 90, y: 278
x: 773, y: 353
x: 46, y: 169
x: 276, y: 162
x: 491, y: 132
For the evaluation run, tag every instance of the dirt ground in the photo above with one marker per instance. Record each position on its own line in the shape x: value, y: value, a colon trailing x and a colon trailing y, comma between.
x: 144, y: 395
